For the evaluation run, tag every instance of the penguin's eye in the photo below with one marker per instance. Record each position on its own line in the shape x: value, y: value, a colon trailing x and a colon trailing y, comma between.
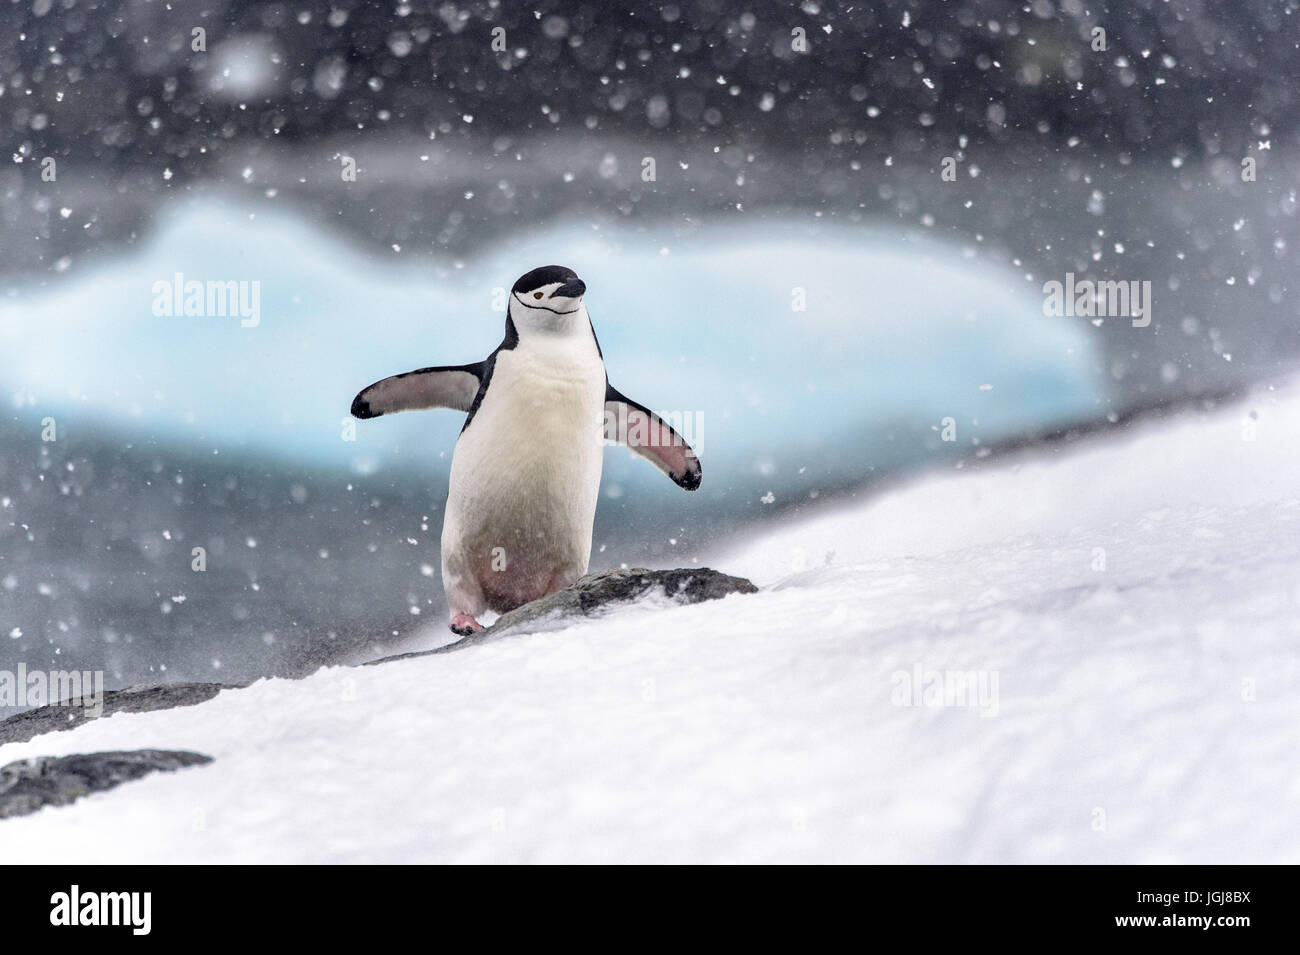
x: 537, y: 295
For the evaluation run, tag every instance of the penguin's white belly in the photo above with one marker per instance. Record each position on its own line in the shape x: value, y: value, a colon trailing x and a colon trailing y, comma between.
x: 524, y: 482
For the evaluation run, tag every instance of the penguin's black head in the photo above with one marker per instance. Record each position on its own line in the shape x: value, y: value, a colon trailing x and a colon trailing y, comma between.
x: 552, y: 288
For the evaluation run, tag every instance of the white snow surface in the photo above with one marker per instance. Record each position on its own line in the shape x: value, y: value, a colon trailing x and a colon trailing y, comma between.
x: 1145, y: 712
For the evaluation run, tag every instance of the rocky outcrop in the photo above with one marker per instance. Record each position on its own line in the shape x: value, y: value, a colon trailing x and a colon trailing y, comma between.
x: 598, y: 593
x: 31, y: 784
x: 69, y: 714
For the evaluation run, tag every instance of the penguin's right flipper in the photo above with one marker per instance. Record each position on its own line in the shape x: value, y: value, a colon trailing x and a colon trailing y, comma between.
x: 448, y: 386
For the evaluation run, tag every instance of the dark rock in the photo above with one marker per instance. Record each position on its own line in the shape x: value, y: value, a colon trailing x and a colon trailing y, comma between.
x: 597, y: 592
x: 69, y: 714
x: 30, y: 784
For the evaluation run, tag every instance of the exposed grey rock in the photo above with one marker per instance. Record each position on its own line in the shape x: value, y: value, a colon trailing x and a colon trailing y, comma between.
x: 596, y: 593
x: 70, y: 714
x: 30, y: 784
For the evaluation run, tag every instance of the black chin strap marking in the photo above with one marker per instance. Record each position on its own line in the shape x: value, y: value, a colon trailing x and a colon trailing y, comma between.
x: 543, y: 308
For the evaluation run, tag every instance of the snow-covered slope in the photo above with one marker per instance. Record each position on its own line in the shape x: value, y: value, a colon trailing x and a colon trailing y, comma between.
x: 1129, y: 608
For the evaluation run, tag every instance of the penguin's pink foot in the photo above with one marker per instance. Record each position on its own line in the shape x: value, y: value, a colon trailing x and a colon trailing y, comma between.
x: 462, y: 624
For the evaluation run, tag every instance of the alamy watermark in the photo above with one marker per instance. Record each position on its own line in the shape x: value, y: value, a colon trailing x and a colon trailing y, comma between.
x: 1100, y: 299
x: 636, y: 429
x: 176, y: 297
x: 73, y: 688
x: 132, y: 910
x: 946, y: 688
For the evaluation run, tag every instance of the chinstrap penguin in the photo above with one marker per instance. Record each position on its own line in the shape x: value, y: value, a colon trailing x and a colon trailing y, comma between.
x: 526, y: 470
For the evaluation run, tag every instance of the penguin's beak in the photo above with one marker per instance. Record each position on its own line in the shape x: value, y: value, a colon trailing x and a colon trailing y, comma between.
x: 573, y: 289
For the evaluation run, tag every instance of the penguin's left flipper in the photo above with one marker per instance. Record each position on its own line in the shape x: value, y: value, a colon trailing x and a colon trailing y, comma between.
x: 636, y: 426
x: 447, y: 386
